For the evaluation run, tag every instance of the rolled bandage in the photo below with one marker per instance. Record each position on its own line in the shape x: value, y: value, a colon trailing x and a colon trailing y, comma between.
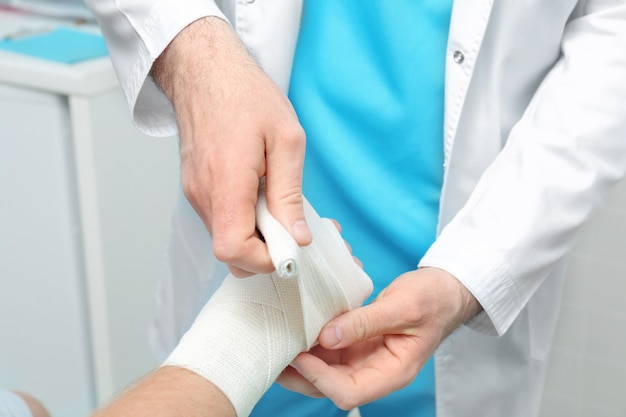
x: 282, y: 248
x: 252, y: 328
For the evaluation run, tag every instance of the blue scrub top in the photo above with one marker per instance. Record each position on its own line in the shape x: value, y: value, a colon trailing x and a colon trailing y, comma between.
x: 368, y: 87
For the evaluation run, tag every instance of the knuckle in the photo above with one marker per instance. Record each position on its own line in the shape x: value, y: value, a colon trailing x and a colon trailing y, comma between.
x: 225, y: 250
x: 347, y: 403
x: 291, y: 135
x: 372, y: 321
x: 362, y: 327
x: 195, y: 189
x: 312, y: 378
x: 289, y: 195
x: 190, y: 188
x: 286, y: 199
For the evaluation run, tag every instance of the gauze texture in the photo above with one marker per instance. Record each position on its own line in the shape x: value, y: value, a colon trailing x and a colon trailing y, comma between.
x: 252, y: 328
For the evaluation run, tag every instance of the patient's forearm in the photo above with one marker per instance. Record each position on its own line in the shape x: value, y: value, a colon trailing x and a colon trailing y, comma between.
x: 169, y: 392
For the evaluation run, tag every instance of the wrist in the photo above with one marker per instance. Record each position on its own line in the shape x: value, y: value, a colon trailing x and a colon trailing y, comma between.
x: 462, y: 306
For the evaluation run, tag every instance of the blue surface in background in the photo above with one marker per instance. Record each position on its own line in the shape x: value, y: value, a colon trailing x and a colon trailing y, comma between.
x: 64, y: 45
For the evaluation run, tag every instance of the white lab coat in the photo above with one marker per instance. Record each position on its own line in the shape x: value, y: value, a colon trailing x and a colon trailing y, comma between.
x: 535, y: 133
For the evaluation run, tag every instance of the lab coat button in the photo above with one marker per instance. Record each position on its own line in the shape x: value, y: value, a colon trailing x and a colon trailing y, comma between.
x: 249, y: 1
x: 458, y: 57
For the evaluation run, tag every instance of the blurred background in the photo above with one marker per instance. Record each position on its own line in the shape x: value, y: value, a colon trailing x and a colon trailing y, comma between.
x: 59, y: 8
x: 85, y: 203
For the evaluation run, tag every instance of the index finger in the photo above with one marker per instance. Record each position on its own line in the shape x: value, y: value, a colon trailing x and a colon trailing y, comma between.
x: 343, y: 385
x: 235, y: 239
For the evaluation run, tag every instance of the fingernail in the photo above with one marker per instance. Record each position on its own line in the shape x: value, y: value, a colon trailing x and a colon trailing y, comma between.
x: 332, y: 336
x: 301, y: 232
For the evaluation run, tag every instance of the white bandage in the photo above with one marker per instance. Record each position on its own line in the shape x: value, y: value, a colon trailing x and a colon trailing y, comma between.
x: 252, y: 328
x: 282, y: 248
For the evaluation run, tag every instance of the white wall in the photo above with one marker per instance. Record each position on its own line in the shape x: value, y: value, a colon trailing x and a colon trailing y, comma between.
x: 44, y: 343
x: 587, y: 373
x: 85, y: 207
x: 140, y: 174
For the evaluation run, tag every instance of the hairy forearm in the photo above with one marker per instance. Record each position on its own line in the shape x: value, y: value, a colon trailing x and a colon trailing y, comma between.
x: 200, y: 56
x: 170, y: 392
x: 235, y: 126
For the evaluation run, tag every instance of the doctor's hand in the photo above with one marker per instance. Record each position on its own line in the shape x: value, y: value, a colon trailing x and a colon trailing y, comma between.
x: 371, y: 351
x: 235, y: 126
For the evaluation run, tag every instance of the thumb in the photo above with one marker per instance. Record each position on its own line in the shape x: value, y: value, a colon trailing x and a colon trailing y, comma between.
x: 288, y: 209
x: 284, y: 194
x: 356, y: 326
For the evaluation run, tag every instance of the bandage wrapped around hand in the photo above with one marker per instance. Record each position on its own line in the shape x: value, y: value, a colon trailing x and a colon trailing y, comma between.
x: 252, y: 328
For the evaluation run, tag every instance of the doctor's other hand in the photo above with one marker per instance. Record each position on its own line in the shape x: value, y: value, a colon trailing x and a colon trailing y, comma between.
x: 371, y: 351
x: 235, y: 126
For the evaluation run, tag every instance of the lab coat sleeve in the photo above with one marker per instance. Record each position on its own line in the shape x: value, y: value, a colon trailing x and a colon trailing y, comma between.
x: 552, y: 175
x: 136, y: 32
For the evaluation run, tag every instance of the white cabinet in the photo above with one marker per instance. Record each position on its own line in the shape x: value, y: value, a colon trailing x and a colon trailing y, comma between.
x: 85, y: 202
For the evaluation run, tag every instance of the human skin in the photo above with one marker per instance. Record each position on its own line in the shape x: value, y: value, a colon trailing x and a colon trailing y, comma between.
x: 363, y: 354
x: 170, y: 392
x: 374, y: 350
x: 36, y: 407
x: 235, y: 126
